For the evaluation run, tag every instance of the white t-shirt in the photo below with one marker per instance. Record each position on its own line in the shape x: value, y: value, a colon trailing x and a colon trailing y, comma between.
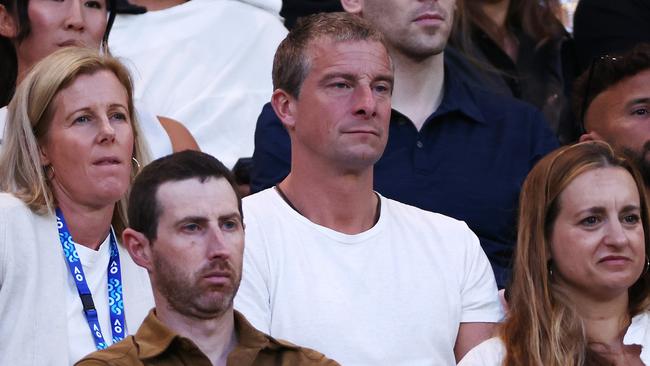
x: 492, y: 351
x: 95, y: 264
x: 392, y: 295
x: 205, y: 63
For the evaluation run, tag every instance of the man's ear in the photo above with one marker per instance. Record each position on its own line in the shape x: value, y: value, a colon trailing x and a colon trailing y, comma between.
x: 7, y: 24
x: 139, y: 248
x: 352, y: 6
x: 590, y: 136
x: 284, y: 106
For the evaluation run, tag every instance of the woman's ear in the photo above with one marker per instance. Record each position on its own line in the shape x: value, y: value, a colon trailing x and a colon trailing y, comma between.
x: 8, y: 27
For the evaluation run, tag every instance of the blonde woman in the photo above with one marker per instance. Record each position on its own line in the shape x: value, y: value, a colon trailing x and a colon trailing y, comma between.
x: 580, y: 287
x: 71, y: 151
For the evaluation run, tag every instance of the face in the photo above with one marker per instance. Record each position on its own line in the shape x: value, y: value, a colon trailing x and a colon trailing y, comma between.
x: 89, y: 143
x: 597, y: 242
x: 417, y: 29
x: 621, y: 116
x: 57, y: 24
x: 343, y: 109
x: 197, y: 256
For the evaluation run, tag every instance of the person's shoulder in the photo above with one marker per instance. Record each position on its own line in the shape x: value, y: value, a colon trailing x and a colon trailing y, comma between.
x: 490, y: 352
x: 296, y: 355
x: 123, y: 353
x: 416, y: 216
x: 9, y: 201
x: 259, y: 199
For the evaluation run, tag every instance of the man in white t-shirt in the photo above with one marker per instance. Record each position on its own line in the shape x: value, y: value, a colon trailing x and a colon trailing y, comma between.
x: 331, y: 264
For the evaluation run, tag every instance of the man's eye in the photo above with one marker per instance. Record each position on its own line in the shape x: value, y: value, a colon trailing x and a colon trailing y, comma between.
x: 382, y: 88
x: 640, y: 111
x: 191, y: 227
x: 341, y: 85
x: 230, y: 225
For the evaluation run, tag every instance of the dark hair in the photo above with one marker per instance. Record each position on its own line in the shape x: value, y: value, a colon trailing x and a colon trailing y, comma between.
x: 603, y: 73
x: 291, y: 64
x: 536, y: 18
x: 144, y: 209
x: 18, y: 9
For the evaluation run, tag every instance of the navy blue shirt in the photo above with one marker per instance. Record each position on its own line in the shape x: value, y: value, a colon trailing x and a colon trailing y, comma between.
x: 468, y: 161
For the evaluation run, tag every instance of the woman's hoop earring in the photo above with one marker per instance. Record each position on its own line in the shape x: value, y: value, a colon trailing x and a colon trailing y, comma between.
x: 49, y: 174
x: 136, y: 162
x: 647, y: 264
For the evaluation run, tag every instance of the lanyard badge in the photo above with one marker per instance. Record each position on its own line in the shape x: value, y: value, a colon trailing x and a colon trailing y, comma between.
x: 115, y: 297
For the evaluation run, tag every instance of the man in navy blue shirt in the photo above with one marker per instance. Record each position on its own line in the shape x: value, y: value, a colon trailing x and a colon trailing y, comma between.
x: 452, y: 148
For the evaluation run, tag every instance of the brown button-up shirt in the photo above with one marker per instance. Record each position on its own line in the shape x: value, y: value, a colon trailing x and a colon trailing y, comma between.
x: 155, y: 344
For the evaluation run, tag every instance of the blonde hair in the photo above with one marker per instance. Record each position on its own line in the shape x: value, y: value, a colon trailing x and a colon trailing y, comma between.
x: 29, y: 117
x: 542, y: 327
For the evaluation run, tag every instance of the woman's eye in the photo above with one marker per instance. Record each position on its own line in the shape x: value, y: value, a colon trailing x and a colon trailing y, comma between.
x: 631, y: 219
x: 94, y: 4
x: 119, y: 116
x: 590, y: 221
x: 82, y: 119
x: 640, y: 111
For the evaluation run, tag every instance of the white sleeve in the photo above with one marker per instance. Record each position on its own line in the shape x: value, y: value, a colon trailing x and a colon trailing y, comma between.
x: 479, y: 293
x: 4, y: 238
x: 488, y: 353
x: 253, y: 298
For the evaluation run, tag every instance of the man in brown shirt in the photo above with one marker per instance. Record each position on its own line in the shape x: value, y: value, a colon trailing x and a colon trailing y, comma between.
x: 186, y: 229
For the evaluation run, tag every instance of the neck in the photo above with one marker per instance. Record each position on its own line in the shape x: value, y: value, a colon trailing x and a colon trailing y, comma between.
x: 215, y: 337
x: 88, y: 227
x: 497, y: 12
x: 153, y: 5
x: 605, y: 321
x: 418, y: 86
x: 342, y: 202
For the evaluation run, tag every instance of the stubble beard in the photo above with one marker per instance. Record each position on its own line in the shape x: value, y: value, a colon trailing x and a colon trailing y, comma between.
x: 186, y: 295
x: 641, y: 161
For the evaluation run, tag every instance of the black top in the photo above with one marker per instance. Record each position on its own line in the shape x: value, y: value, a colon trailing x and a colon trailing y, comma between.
x: 603, y: 27
x: 294, y: 9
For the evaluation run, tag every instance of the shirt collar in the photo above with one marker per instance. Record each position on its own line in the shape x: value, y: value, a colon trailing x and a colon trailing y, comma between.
x: 153, y: 338
x: 639, y: 333
x: 458, y: 97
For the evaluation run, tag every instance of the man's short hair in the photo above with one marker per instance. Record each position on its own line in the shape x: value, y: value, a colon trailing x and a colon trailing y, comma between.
x: 144, y: 210
x: 603, y: 73
x: 291, y: 64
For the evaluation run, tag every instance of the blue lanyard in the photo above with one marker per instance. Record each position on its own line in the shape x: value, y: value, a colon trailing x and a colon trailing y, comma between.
x: 115, y: 297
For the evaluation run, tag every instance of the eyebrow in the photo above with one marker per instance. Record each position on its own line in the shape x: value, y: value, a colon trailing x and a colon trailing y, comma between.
x: 632, y: 102
x: 88, y: 109
x: 351, y: 77
x: 203, y: 219
x: 602, y: 210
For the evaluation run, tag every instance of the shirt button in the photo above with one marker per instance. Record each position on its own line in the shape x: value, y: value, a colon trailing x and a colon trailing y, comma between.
x: 419, y: 144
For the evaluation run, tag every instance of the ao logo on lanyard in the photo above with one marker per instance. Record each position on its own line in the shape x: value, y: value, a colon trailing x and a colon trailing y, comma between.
x: 115, y: 297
